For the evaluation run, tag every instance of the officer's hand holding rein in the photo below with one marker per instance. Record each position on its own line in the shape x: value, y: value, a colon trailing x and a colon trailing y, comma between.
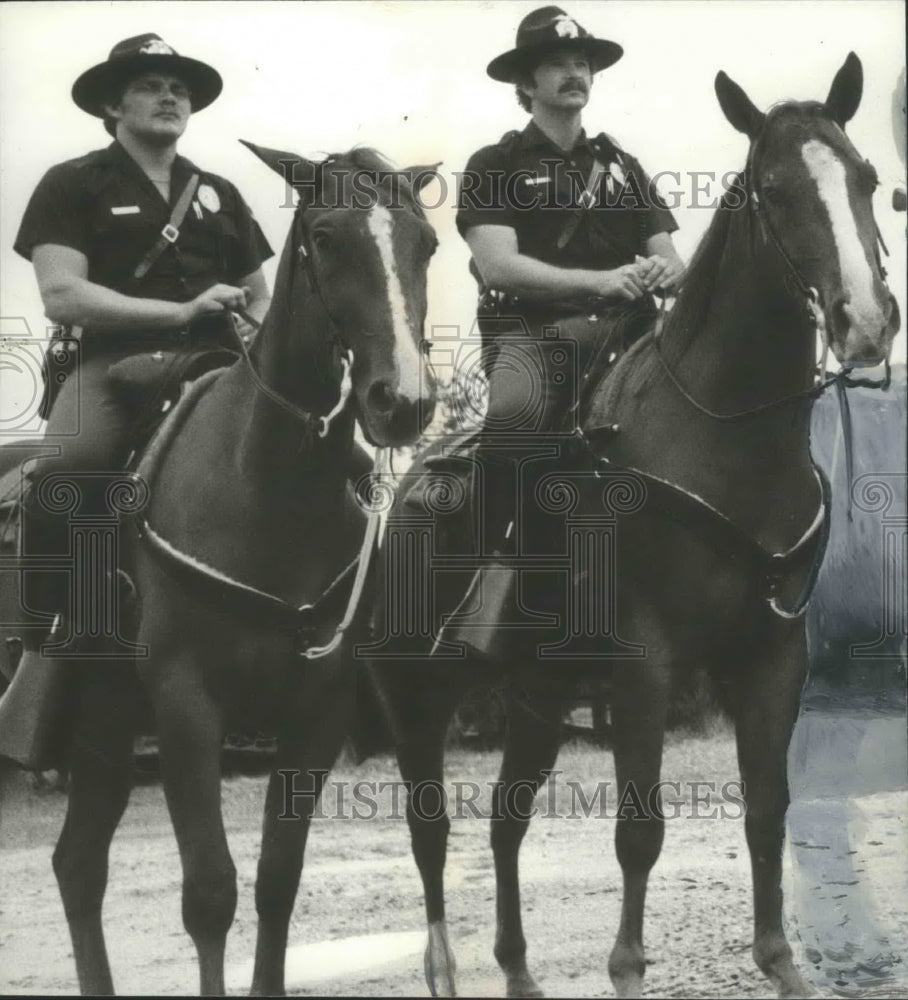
x: 219, y: 298
x: 658, y: 273
x: 625, y: 282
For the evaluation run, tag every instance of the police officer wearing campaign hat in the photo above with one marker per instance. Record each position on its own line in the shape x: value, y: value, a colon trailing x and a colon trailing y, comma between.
x: 142, y: 251
x: 561, y: 226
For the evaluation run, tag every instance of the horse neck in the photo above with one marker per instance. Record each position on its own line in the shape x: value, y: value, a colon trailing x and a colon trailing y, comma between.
x: 292, y: 355
x: 755, y: 343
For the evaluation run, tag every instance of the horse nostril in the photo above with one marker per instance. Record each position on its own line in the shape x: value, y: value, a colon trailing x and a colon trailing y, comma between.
x: 381, y: 397
x: 839, y: 311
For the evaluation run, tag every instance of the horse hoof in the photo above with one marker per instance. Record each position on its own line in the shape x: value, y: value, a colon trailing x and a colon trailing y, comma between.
x: 527, y: 988
x: 519, y: 981
x: 797, y: 991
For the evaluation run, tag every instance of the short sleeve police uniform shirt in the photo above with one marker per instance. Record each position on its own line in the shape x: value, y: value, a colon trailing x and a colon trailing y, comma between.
x: 527, y: 183
x: 104, y: 206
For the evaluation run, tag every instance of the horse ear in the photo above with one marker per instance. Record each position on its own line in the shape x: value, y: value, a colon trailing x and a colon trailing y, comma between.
x: 845, y: 93
x: 738, y: 107
x: 295, y: 169
x: 420, y: 176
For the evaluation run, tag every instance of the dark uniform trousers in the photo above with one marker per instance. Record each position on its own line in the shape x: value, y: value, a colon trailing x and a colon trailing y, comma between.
x: 94, y: 424
x: 535, y: 378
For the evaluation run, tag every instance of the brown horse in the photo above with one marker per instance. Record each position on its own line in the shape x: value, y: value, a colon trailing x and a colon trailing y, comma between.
x: 697, y: 493
x: 251, y: 520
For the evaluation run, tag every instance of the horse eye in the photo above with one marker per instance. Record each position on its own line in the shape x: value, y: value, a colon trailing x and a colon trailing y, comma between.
x: 320, y: 239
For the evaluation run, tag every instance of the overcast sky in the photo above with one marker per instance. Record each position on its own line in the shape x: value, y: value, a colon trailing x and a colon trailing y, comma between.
x: 409, y: 79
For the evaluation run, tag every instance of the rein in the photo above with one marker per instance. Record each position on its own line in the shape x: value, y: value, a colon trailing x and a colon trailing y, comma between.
x: 304, y: 620
x: 677, y: 502
x: 321, y: 424
x: 842, y: 379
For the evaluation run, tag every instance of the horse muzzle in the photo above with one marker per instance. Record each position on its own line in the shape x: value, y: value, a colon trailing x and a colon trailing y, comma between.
x: 391, y: 420
x: 863, y: 338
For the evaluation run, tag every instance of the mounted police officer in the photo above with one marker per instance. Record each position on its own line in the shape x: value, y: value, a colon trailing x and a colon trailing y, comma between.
x: 569, y: 237
x: 144, y: 252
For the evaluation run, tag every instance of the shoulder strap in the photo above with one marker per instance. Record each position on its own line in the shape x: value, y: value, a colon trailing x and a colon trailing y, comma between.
x: 170, y: 233
x: 587, y: 200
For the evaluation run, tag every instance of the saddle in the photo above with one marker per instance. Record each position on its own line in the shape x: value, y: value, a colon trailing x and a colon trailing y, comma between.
x: 456, y: 456
x: 151, y: 383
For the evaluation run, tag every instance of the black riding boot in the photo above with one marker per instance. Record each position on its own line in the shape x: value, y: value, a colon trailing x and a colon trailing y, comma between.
x: 480, y: 620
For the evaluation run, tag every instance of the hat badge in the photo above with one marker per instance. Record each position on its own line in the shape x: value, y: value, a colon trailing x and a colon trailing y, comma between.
x: 156, y: 47
x: 566, y: 27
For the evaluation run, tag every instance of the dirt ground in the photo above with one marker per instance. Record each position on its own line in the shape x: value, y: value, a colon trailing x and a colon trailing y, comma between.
x: 360, y: 879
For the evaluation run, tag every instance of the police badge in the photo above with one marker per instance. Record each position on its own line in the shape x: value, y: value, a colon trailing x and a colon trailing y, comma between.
x: 208, y: 198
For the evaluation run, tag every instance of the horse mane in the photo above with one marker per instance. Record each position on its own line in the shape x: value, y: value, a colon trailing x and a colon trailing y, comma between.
x: 728, y: 235
x: 361, y: 158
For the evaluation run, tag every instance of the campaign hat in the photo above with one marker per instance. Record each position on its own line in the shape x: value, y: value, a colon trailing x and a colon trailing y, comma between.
x: 132, y: 57
x: 543, y: 31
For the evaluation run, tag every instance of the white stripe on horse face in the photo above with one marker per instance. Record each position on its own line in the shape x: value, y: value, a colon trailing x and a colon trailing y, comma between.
x: 407, y: 358
x: 857, y: 277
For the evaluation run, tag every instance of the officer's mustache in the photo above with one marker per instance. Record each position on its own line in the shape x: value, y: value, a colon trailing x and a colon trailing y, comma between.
x: 572, y: 85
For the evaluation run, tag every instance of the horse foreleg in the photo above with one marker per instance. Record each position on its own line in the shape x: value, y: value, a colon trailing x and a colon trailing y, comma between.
x: 639, y: 705
x: 765, y: 707
x: 531, y: 748
x: 190, y: 730
x: 421, y: 761
x: 100, y: 780
x: 293, y: 792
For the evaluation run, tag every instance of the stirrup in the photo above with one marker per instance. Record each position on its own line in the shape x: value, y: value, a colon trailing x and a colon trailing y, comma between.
x: 482, y: 617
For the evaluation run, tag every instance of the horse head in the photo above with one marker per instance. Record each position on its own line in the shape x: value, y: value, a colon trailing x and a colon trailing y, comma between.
x: 812, y: 192
x: 362, y: 239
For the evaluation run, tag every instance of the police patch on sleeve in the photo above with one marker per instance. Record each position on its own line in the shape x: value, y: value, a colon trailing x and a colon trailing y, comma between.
x: 208, y: 198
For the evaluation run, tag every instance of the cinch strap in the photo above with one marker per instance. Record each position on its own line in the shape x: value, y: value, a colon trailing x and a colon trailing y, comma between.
x: 170, y: 232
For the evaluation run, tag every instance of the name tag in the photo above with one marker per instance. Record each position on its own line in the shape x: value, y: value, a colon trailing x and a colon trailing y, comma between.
x: 125, y: 210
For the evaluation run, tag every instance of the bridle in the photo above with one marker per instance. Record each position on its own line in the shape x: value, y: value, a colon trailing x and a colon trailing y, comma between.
x: 814, y: 313
x: 675, y: 501
x: 305, y: 621
x: 320, y: 425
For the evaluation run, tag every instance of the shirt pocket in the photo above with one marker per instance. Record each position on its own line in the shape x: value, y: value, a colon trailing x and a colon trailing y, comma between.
x: 120, y: 239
